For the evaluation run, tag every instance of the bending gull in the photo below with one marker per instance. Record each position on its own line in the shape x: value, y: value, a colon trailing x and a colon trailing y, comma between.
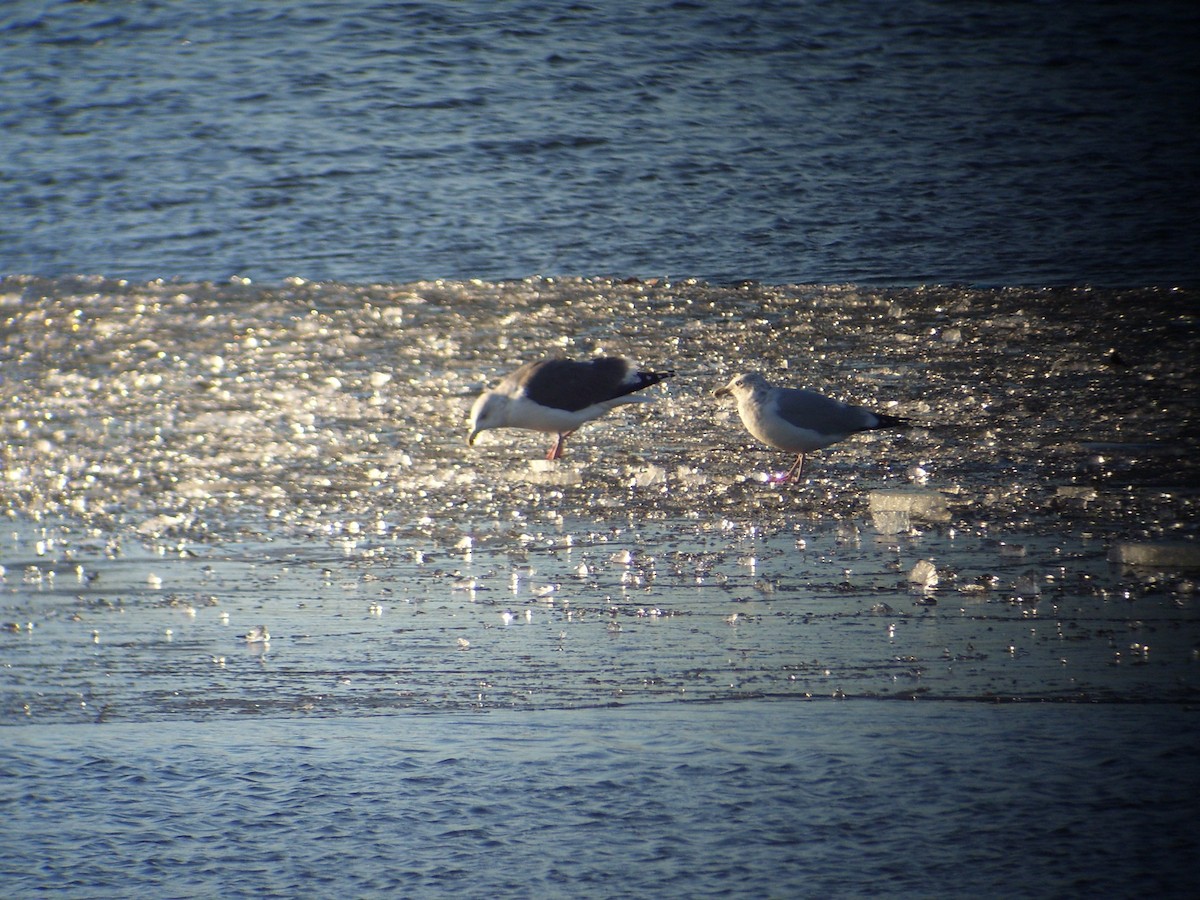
x: 558, y: 395
x: 799, y: 421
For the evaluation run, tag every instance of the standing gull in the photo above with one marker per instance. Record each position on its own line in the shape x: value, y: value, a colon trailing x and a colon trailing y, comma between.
x: 558, y: 395
x: 798, y: 421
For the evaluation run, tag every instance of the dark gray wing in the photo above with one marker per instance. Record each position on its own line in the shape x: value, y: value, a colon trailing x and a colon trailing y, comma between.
x: 570, y: 385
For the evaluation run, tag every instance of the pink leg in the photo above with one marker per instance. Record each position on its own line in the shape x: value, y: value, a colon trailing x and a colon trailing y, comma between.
x: 556, y: 451
x: 797, y: 469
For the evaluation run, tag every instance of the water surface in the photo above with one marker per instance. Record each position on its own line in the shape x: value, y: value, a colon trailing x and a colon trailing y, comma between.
x: 989, y: 143
x: 647, y: 669
x: 759, y: 798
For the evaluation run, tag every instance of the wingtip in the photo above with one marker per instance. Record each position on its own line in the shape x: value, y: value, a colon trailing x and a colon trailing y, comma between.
x: 886, y: 421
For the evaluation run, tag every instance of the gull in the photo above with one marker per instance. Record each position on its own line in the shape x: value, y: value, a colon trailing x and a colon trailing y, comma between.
x: 796, y: 420
x: 558, y: 395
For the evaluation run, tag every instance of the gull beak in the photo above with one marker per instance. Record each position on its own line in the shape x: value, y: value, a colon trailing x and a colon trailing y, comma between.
x: 722, y: 391
x: 471, y: 438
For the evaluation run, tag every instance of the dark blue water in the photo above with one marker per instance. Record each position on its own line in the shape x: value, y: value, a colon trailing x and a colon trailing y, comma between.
x: 755, y: 799
x: 983, y: 142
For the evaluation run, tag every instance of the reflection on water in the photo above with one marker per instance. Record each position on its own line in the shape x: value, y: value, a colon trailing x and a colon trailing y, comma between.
x: 196, y: 409
x: 569, y: 617
x: 185, y: 464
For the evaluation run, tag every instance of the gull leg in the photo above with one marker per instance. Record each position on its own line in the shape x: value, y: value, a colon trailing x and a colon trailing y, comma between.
x: 797, y: 469
x: 556, y: 451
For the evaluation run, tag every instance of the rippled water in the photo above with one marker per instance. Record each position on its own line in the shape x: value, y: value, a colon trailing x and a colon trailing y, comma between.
x: 578, y: 615
x: 754, y: 798
x: 649, y: 669
x: 709, y: 683
x: 996, y: 143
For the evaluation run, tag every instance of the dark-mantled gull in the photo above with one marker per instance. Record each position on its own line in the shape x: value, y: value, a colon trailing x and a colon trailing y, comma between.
x: 558, y: 395
x: 796, y: 420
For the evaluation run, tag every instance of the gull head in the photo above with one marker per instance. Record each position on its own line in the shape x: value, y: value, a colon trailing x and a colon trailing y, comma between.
x: 742, y: 385
x: 489, y: 411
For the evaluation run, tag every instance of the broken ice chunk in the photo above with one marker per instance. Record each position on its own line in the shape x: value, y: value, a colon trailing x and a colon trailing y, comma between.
x: 924, y: 576
x: 1165, y: 554
x: 1027, y: 586
x: 650, y: 476
x: 890, y: 521
x: 545, y: 472
x: 922, y: 504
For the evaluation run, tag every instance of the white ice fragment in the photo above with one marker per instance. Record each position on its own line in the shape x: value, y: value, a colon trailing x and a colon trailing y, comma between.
x: 159, y: 524
x: 651, y: 475
x: 923, y: 504
x: 1077, y: 495
x: 924, y: 576
x: 1027, y: 585
x: 1167, y: 554
x: 891, y: 521
x: 550, y: 472
x: 379, y: 379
